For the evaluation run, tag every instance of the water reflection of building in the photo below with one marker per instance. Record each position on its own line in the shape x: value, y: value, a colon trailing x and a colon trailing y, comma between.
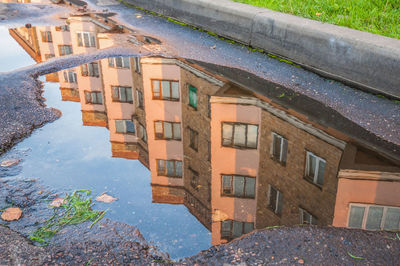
x: 237, y: 158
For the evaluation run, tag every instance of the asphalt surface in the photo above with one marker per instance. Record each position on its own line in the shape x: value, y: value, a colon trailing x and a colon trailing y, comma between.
x: 305, y: 245
x: 378, y: 115
x: 22, y: 109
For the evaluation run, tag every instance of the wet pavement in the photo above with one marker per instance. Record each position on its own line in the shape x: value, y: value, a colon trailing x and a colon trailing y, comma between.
x: 197, y: 153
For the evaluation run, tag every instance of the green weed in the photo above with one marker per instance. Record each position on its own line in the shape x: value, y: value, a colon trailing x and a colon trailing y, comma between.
x: 355, y: 257
x: 76, y: 209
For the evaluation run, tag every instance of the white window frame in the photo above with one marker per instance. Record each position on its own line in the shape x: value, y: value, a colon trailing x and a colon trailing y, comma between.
x: 232, y: 137
x: 142, y: 133
x: 90, y: 70
x: 125, y: 64
x: 119, y: 99
x: 125, y: 127
x: 160, y: 88
x: 302, y: 211
x: 67, y: 76
x: 137, y: 65
x: 139, y: 99
x: 64, y: 47
x: 91, y: 37
x: 282, y: 140
x: 365, y: 216
x: 165, y: 168
x: 232, y: 187
x: 318, y: 159
x: 278, y: 194
x: 174, y: 137
x: 91, y: 97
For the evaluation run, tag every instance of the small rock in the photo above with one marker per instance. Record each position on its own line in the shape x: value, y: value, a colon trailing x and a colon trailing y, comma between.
x: 106, y: 198
x: 8, y: 163
x: 11, y: 214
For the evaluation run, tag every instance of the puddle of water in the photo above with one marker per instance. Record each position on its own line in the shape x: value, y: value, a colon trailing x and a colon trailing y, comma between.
x: 13, y: 56
x: 67, y: 156
x: 200, y: 154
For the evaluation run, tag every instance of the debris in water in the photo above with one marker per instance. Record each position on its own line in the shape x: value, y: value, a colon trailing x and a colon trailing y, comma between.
x: 106, y: 198
x: 8, y: 163
x: 56, y: 203
x: 11, y: 214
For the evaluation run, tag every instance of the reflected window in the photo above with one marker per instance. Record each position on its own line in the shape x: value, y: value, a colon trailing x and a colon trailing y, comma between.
x: 194, y: 139
x: 93, y: 97
x: 167, y: 130
x: 194, y: 179
x: 238, y: 186
x: 231, y: 229
x: 315, y: 169
x: 170, y: 168
x: 307, y: 218
x: 142, y: 133
x: 122, y: 94
x: 239, y: 135
x: 62, y: 28
x: 374, y: 217
x: 65, y: 49
x: 139, y: 99
x: 86, y: 39
x: 118, y: 62
x: 165, y: 90
x: 192, y: 96
x: 124, y: 126
x: 279, y: 148
x: 137, y: 64
x: 46, y: 36
x: 90, y: 70
x: 48, y: 56
x: 70, y: 76
x: 275, y: 200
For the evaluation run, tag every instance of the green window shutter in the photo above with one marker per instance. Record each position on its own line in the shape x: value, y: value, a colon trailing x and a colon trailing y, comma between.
x: 192, y: 96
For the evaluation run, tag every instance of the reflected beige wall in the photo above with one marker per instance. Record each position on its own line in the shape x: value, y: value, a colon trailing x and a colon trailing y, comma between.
x: 226, y: 160
x: 159, y: 68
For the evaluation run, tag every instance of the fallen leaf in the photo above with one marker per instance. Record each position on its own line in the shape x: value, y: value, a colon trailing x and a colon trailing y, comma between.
x: 106, y: 198
x: 11, y: 214
x: 139, y: 16
x: 318, y: 14
x: 8, y: 163
x: 300, y: 261
x: 56, y: 203
x: 214, y: 46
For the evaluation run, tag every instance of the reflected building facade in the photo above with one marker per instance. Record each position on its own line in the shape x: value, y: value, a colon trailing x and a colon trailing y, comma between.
x: 236, y: 157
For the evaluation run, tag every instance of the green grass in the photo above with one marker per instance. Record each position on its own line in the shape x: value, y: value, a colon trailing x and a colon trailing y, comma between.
x: 77, y: 208
x: 375, y: 16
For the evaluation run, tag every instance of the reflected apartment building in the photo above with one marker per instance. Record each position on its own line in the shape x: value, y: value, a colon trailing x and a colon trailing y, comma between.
x: 236, y: 158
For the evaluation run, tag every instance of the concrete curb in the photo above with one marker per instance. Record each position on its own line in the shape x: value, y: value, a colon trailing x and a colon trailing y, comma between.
x: 364, y: 60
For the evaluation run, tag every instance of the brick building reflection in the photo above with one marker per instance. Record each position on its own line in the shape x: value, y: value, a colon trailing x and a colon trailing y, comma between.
x: 235, y: 156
